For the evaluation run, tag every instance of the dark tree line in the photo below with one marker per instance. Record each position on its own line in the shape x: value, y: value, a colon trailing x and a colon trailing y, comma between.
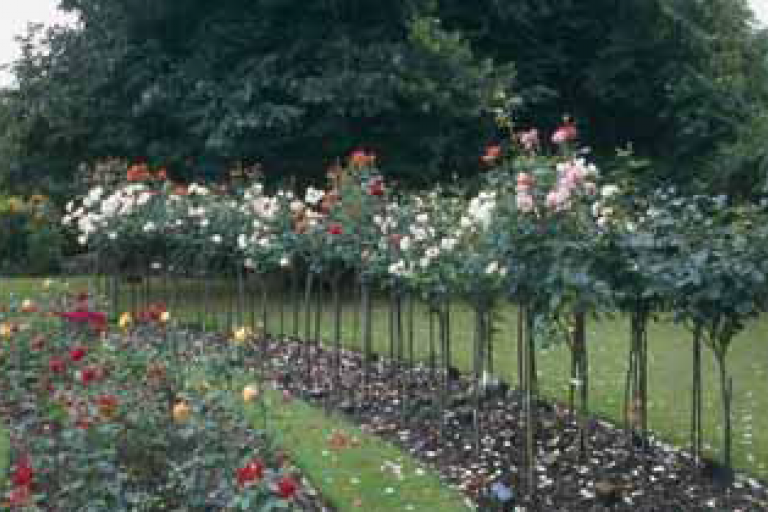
x: 196, y: 85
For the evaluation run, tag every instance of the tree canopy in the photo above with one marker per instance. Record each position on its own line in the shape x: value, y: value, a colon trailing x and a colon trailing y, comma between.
x: 288, y: 84
x: 293, y: 85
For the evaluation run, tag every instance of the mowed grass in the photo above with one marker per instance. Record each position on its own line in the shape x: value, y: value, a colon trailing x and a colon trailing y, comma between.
x: 669, y: 356
x: 354, y: 470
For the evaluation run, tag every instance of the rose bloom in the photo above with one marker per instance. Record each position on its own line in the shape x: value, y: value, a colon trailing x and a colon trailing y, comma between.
x: 107, y: 406
x: 525, y: 202
x: 529, y: 139
x: 20, y: 497
x: 89, y: 374
x: 57, y: 365
x: 360, y: 158
x: 524, y: 182
x: 492, y: 153
x: 23, y: 474
x: 250, y: 473
x: 287, y: 487
x: 565, y: 133
x: 335, y: 229
x: 376, y: 188
x: 557, y: 199
x: 77, y: 353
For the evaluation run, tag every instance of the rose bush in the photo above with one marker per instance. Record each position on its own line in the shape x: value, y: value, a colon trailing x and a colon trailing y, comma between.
x: 96, y: 418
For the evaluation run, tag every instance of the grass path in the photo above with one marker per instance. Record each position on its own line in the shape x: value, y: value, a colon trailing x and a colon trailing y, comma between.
x: 352, y: 469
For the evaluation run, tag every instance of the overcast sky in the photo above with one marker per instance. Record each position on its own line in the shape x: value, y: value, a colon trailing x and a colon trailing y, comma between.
x: 16, y: 14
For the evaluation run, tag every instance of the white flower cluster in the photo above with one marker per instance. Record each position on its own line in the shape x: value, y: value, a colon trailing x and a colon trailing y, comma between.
x: 480, y: 211
x: 96, y: 212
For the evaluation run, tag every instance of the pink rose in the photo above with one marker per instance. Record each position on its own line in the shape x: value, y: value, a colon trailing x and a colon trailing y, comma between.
x: 530, y: 139
x: 524, y: 202
x: 524, y: 182
x: 565, y: 133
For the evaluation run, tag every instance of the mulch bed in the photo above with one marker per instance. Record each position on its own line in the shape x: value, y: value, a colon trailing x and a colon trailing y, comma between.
x: 404, y: 406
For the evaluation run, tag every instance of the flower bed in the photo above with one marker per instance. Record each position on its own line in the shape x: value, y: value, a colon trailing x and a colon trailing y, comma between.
x: 119, y: 420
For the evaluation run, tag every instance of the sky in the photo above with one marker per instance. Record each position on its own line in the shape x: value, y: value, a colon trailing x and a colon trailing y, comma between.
x: 14, y: 17
x: 16, y: 14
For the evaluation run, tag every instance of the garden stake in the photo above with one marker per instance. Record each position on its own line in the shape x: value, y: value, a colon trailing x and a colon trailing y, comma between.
x: 432, y: 312
x: 295, y: 295
x: 444, y: 333
x: 696, y: 398
x: 367, y: 334
x: 582, y: 367
x: 635, y: 389
x: 521, y: 322
x: 307, y: 323
x: 411, y: 335
x: 316, y: 339
x: 530, y: 421
x: 282, y: 304
x: 337, y: 318
x: 400, y: 352
x: 479, y: 359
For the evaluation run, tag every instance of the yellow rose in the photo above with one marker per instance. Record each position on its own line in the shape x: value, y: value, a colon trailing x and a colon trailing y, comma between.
x: 241, y: 335
x: 250, y: 392
x: 181, y: 412
x: 125, y: 320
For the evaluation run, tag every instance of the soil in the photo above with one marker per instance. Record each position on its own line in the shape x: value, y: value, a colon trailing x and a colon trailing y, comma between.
x: 474, y: 437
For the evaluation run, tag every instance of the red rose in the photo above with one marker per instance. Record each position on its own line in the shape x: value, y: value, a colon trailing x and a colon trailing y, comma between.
x: 20, y: 497
x: 376, y: 188
x: 335, y: 229
x: 83, y: 423
x: 361, y: 158
x: 23, y: 474
x: 88, y: 375
x: 287, y: 487
x: 251, y: 472
x: 492, y: 153
x: 77, y: 353
x: 95, y: 319
x: 57, y: 365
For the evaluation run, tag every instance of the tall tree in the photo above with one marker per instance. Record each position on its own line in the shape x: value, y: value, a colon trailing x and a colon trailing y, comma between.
x: 678, y: 79
x: 288, y: 84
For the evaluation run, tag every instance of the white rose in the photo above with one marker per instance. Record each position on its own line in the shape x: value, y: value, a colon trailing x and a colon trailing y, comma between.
x: 609, y: 191
x: 448, y: 244
x: 492, y: 268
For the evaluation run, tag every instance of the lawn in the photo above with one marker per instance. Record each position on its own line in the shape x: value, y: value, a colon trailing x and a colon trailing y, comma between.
x: 669, y: 357
x: 353, y: 469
